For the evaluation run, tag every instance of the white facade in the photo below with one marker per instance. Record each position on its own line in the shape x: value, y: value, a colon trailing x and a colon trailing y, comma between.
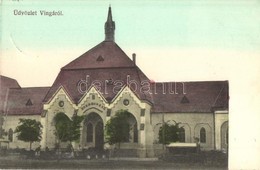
x: 148, y: 124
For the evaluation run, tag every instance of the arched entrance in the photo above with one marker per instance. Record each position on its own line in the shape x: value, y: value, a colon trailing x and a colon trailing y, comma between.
x: 93, y: 131
x: 122, y: 130
x: 133, y: 133
x: 99, y: 135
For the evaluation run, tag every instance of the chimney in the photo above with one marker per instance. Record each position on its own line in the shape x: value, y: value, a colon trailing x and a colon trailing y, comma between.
x: 134, y: 58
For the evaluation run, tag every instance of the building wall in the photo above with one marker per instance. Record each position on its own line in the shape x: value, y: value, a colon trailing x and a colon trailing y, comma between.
x: 134, y: 108
x: 141, y: 111
x: 221, y: 126
x: 11, y: 122
x: 52, y: 109
x: 191, y: 122
x: 148, y: 123
x: 93, y: 102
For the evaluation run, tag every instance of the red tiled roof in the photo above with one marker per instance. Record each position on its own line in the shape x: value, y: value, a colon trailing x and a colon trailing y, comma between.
x: 107, y: 62
x: 19, y: 104
x: 69, y: 79
x: 107, y: 54
x: 200, y: 96
x: 5, y: 84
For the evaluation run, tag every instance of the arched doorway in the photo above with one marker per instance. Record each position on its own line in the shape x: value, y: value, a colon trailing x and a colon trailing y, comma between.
x: 93, y: 131
x: 99, y: 135
x: 133, y: 133
x: 122, y: 130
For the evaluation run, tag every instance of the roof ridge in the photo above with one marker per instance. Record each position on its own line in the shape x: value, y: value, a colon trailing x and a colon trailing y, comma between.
x: 70, y: 69
x: 208, y: 81
x: 7, y: 77
x: 31, y: 87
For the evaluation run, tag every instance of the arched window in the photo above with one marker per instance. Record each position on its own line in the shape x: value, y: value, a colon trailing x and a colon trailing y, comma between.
x: 202, y: 135
x: 10, y: 135
x: 133, y: 131
x: 182, y: 135
x: 89, y: 132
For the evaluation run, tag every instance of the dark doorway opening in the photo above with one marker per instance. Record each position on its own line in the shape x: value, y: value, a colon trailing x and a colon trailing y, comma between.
x: 94, y: 129
x: 99, y: 135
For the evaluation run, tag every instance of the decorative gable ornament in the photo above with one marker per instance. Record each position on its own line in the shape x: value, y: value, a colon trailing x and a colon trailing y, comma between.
x: 100, y: 58
x: 185, y: 100
x: 29, y: 102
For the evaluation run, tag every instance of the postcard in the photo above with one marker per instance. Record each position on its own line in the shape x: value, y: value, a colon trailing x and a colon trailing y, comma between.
x: 129, y: 84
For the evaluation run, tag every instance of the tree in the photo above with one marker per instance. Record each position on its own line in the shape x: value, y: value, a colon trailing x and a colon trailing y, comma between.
x: 67, y: 129
x: 75, y: 128
x: 62, y: 126
x: 169, y: 133
x: 117, y: 128
x: 29, y: 130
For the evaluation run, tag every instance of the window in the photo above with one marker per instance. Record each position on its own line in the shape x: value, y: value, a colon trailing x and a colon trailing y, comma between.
x: 142, y: 112
x: 185, y: 100
x: 89, y: 132
x: 126, y: 102
x: 29, y: 102
x: 202, y: 135
x: 133, y: 134
x: 108, y: 112
x: 61, y: 103
x: 10, y: 135
x: 182, y: 135
x: 100, y: 58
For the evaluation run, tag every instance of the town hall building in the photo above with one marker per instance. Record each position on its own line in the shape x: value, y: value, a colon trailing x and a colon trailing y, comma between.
x: 105, y: 80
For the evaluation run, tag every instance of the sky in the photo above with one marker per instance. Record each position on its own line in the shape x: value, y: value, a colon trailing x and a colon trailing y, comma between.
x: 184, y: 40
x: 189, y: 35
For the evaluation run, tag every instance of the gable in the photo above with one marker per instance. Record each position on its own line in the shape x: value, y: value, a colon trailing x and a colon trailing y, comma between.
x: 92, y: 98
x: 60, y: 92
x: 125, y: 96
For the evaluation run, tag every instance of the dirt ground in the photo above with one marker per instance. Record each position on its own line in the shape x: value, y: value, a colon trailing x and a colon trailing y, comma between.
x: 8, y: 163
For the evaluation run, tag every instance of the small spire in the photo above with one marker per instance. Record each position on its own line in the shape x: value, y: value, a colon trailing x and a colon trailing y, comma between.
x: 109, y: 15
x: 109, y: 26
